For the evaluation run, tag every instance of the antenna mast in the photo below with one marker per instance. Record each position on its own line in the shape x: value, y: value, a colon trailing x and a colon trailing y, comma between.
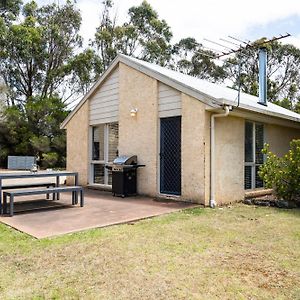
x: 243, y: 45
x: 249, y: 45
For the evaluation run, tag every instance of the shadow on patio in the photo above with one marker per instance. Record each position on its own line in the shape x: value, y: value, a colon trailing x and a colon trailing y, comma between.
x: 101, y: 209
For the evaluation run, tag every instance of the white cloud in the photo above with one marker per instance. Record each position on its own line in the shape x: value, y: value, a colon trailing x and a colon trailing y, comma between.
x: 294, y: 40
x: 90, y: 12
x: 198, y: 18
x: 211, y: 19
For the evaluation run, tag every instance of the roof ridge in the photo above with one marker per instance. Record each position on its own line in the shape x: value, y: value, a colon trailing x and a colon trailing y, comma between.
x: 213, y: 94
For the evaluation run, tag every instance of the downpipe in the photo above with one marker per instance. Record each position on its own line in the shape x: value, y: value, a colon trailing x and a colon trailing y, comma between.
x: 212, y: 201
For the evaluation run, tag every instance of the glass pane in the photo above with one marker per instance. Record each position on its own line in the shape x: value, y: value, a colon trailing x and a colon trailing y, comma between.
x: 109, y: 173
x: 259, y: 143
x: 248, y: 177
x: 113, y: 140
x: 98, y: 142
x: 248, y: 142
x: 258, y: 182
x: 99, y: 173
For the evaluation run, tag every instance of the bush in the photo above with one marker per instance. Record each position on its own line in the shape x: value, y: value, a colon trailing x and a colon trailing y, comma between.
x: 33, y: 129
x: 283, y: 173
x: 49, y: 159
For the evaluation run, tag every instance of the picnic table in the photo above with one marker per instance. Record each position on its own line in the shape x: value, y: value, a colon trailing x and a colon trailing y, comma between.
x: 39, y: 174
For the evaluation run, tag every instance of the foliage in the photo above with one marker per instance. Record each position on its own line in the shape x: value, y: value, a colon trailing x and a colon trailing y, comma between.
x: 190, y: 58
x: 283, y: 173
x: 283, y: 73
x: 153, y: 34
x: 42, y: 68
x: 86, y: 67
x: 50, y: 159
x: 39, y: 53
x: 2, y: 94
x: 9, y: 10
x: 144, y: 36
x: 33, y: 129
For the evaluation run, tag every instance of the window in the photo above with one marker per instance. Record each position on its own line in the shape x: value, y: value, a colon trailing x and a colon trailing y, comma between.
x: 104, y: 150
x: 254, y: 158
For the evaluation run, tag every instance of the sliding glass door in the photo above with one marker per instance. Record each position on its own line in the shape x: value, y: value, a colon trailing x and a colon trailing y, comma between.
x: 104, y: 150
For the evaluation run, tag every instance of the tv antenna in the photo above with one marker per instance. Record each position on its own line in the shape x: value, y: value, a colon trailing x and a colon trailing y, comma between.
x: 239, y: 46
x: 248, y: 44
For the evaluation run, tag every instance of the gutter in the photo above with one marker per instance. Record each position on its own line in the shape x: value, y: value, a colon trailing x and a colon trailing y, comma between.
x: 212, y: 201
x: 267, y: 110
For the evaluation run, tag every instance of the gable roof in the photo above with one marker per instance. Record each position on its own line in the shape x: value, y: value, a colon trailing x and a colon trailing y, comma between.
x: 212, y: 94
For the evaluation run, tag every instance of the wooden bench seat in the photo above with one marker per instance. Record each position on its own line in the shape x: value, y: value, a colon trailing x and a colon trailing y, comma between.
x: 54, y: 190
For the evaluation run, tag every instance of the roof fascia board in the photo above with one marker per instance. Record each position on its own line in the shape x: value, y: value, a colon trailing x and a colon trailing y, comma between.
x: 255, y: 109
x: 90, y: 92
x: 270, y: 113
x: 209, y: 100
x: 263, y: 118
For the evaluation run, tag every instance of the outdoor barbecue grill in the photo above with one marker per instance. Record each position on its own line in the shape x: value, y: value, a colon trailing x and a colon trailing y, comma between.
x: 124, y: 175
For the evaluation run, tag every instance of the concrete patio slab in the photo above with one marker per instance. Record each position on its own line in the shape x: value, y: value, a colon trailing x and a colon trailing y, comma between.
x: 101, y: 209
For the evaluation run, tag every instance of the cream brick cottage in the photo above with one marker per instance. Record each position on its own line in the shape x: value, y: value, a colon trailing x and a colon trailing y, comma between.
x: 196, y: 144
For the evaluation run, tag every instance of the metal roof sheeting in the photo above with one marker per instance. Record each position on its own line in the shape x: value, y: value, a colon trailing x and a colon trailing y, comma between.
x: 212, y: 94
x: 220, y: 93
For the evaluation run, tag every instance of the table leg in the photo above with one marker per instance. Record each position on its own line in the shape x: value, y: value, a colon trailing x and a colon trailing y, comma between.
x: 11, y: 206
x: 47, y: 195
x: 1, y: 207
x: 57, y: 184
x: 76, y: 184
x: 5, y: 204
x: 81, y: 198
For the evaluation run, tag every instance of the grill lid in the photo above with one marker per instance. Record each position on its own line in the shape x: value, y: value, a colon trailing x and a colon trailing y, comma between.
x: 126, y: 160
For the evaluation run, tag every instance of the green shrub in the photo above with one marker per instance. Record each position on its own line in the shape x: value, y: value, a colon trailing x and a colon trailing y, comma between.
x: 283, y: 173
x: 49, y: 159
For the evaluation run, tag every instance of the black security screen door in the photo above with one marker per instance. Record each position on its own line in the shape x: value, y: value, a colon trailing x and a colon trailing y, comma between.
x: 170, y: 156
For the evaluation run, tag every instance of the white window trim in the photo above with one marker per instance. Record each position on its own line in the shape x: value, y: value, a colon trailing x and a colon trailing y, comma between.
x: 99, y: 162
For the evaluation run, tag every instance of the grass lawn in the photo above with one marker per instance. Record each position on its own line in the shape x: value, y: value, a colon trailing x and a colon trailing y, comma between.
x: 241, y: 252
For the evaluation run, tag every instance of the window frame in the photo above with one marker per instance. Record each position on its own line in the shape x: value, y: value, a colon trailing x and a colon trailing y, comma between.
x: 253, y: 164
x: 104, y: 161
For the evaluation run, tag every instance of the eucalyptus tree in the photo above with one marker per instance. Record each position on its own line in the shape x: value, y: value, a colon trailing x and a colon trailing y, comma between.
x: 144, y: 35
x: 191, y: 58
x: 283, y: 72
x: 42, y: 66
x: 10, y: 9
x: 39, y: 53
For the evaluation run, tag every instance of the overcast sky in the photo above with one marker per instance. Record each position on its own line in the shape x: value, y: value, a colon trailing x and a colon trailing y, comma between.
x: 213, y: 19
